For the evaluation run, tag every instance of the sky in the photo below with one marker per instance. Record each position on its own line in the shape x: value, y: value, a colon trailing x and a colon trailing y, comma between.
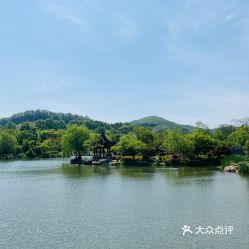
x: 120, y: 60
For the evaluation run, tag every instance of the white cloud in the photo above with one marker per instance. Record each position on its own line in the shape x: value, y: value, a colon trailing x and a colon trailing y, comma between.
x: 63, y: 13
x: 195, y: 30
x: 92, y: 18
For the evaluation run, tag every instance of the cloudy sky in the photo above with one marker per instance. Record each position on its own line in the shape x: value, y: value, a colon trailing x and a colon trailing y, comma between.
x: 119, y: 60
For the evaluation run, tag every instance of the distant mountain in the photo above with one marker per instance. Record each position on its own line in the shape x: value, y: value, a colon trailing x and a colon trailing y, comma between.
x: 159, y: 124
x: 34, y: 115
x: 44, y: 119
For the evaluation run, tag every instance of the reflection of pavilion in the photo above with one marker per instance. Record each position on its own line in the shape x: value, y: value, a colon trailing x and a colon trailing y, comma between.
x: 103, y: 150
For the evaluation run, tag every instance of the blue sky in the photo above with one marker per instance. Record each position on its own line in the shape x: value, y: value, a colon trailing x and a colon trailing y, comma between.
x: 113, y: 60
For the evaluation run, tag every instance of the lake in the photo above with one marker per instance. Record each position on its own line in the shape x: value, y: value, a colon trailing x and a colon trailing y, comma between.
x: 49, y: 204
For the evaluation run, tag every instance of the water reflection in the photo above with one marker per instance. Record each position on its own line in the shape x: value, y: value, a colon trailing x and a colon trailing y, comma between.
x: 183, y: 174
x: 63, y: 206
x: 175, y: 174
x: 193, y: 171
x: 74, y: 171
x: 137, y: 172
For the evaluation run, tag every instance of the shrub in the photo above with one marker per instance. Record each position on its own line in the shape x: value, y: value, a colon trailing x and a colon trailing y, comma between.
x: 244, y: 167
x: 227, y: 160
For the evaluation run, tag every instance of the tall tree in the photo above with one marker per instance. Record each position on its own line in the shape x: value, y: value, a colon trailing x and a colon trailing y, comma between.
x: 239, y: 137
x: 8, y: 144
x: 177, y: 143
x: 203, y: 142
x: 75, y: 140
x: 129, y: 145
x: 28, y: 140
x: 148, y: 137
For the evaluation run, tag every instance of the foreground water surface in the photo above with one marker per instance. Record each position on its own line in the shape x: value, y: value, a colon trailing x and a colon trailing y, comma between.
x: 49, y: 204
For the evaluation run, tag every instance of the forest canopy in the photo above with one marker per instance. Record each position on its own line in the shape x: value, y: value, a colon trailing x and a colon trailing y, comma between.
x: 45, y: 134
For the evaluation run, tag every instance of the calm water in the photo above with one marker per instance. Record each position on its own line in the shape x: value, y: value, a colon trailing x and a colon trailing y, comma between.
x: 48, y: 204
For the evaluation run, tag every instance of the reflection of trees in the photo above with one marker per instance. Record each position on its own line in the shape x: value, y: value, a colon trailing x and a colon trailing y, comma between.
x: 186, y: 171
x: 75, y: 171
x: 138, y: 172
x: 177, y: 175
x: 102, y: 170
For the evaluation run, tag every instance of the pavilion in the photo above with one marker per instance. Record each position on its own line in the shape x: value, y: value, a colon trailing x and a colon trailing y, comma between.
x: 103, y: 149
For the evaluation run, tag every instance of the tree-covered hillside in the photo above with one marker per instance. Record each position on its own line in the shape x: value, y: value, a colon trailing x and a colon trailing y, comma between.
x: 44, y: 119
x: 44, y: 134
x: 160, y: 124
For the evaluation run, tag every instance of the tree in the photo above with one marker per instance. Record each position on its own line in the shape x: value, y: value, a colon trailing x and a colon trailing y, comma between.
x: 223, y: 131
x: 177, y: 143
x: 200, y: 125
x: 247, y: 146
x: 50, y: 143
x: 203, y: 142
x: 145, y: 135
x: 50, y: 148
x: 239, y: 137
x: 241, y: 122
x: 75, y: 140
x: 8, y: 144
x: 148, y: 137
x: 28, y: 140
x: 93, y: 141
x: 129, y: 145
x: 50, y: 124
x: 49, y: 134
x: 30, y: 153
x: 113, y: 135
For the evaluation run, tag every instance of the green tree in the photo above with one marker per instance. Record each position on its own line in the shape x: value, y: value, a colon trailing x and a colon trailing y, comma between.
x: 148, y: 137
x: 50, y: 143
x: 223, y: 131
x: 50, y: 148
x: 145, y: 135
x: 50, y: 124
x: 177, y: 143
x: 200, y: 125
x: 49, y: 134
x: 8, y: 144
x: 30, y: 153
x: 75, y: 140
x: 247, y: 146
x: 239, y: 137
x: 28, y: 140
x: 93, y: 141
x: 113, y: 135
x: 203, y: 142
x: 129, y: 145
x: 243, y: 122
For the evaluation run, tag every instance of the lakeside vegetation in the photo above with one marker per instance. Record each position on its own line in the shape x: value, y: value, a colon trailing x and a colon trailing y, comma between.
x: 43, y: 134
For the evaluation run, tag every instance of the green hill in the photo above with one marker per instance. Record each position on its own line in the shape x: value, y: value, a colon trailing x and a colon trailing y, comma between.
x: 158, y: 123
x: 44, y: 119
